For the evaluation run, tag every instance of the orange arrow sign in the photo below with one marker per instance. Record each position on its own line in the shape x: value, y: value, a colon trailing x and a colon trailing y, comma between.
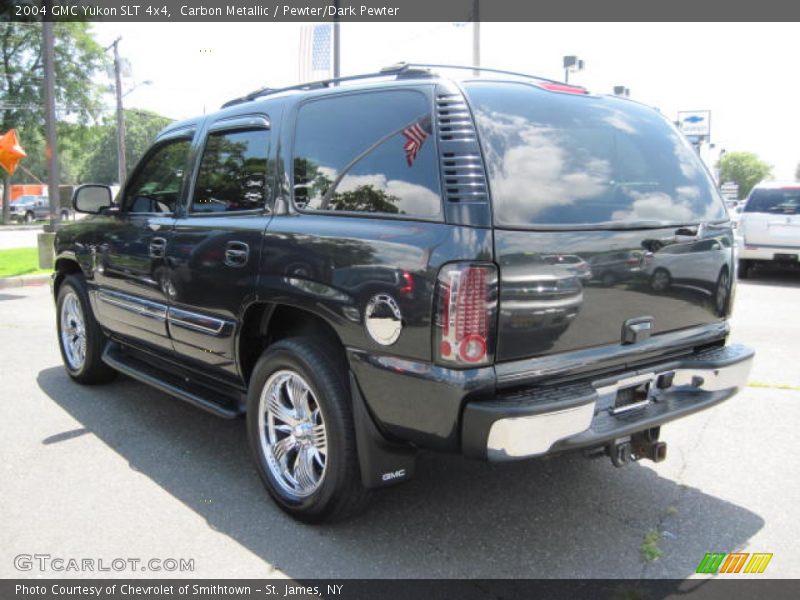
x: 10, y: 151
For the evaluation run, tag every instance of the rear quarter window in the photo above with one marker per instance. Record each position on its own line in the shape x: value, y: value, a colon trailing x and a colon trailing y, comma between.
x: 369, y: 152
x: 559, y: 159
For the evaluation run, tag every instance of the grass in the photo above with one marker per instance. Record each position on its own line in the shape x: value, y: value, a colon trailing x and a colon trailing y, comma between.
x: 20, y: 261
x: 649, y: 548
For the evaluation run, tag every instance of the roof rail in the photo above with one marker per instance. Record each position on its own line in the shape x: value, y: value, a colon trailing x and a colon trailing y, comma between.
x: 400, y: 70
x: 400, y: 66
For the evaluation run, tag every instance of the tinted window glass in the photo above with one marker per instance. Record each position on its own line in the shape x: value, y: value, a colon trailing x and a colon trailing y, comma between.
x: 562, y: 159
x: 367, y: 153
x: 777, y: 201
x: 156, y: 185
x: 233, y: 172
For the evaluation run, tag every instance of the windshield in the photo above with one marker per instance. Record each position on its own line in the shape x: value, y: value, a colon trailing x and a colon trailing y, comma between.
x: 776, y: 201
x: 560, y: 159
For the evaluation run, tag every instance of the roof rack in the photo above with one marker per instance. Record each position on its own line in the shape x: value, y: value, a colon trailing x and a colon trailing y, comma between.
x: 400, y: 70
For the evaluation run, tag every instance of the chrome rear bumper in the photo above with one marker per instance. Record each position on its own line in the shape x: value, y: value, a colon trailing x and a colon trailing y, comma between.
x: 542, y: 420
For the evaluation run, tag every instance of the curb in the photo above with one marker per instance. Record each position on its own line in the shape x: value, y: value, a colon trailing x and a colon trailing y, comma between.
x: 23, y: 280
x: 21, y: 227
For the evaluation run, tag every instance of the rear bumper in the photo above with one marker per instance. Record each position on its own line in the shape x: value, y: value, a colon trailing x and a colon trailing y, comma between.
x: 543, y: 420
x: 766, y: 252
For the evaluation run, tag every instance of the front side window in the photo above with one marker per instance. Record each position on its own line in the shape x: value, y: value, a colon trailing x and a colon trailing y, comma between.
x: 558, y: 159
x: 233, y: 172
x: 367, y: 152
x: 156, y: 185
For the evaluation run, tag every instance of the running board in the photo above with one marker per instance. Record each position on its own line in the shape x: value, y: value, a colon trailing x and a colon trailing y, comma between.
x: 128, y: 364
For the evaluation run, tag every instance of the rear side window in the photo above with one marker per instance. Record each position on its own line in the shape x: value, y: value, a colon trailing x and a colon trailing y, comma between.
x: 784, y: 201
x: 561, y: 159
x: 233, y: 172
x: 367, y: 153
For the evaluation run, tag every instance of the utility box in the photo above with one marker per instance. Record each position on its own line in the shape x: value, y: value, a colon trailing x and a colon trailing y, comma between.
x: 46, y: 255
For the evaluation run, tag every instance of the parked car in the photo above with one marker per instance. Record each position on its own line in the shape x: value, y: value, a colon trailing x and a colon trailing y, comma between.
x: 353, y: 268
x: 617, y: 266
x: 769, y: 227
x: 572, y: 263
x: 29, y: 208
x: 689, y: 264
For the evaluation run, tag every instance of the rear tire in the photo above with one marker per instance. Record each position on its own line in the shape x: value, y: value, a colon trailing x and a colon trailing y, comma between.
x: 660, y: 280
x: 80, y: 338
x: 301, y: 432
x: 745, y: 269
x: 608, y: 279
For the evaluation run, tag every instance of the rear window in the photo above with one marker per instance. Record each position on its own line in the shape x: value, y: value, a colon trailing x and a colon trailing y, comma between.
x: 557, y: 159
x: 776, y: 201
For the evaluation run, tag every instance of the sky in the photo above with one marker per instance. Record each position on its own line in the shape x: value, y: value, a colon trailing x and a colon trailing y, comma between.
x: 744, y: 73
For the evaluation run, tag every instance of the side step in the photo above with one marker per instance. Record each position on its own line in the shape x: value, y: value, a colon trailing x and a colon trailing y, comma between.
x: 133, y: 366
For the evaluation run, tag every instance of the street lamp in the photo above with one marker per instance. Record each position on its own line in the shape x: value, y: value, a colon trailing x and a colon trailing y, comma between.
x: 572, y: 64
x: 621, y: 90
x: 136, y: 86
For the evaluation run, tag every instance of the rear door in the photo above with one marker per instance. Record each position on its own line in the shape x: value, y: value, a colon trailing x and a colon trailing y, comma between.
x: 213, y: 256
x: 131, y: 272
x: 604, y: 179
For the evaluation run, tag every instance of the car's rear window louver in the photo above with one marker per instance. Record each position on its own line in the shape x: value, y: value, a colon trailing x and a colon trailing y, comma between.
x: 462, y: 168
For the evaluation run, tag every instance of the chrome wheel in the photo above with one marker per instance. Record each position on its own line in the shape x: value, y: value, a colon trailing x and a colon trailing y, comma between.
x: 292, y: 433
x: 73, y: 331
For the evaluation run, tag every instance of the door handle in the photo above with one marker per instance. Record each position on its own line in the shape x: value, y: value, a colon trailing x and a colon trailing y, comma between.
x: 236, y: 254
x: 158, y: 246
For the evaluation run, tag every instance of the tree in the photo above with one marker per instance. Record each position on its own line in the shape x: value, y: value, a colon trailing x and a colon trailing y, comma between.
x: 100, y: 163
x: 744, y: 168
x: 77, y: 59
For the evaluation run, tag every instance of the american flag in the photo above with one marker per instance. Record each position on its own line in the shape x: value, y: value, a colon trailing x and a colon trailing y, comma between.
x: 315, y: 52
x: 415, y: 135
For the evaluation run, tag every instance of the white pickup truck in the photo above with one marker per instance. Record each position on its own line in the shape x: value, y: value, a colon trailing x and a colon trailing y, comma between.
x: 769, y: 226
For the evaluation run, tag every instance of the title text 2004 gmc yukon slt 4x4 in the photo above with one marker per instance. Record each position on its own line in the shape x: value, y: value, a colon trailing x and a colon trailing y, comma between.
x: 369, y: 268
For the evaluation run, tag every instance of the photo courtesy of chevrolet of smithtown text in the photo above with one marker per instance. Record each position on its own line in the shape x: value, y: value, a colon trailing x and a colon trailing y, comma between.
x: 399, y: 299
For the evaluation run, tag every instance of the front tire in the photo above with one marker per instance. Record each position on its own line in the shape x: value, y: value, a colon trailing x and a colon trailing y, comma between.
x: 722, y: 293
x: 29, y: 217
x: 301, y: 432
x: 80, y: 338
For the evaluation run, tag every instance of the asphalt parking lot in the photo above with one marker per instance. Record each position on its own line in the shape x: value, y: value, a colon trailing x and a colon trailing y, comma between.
x: 122, y: 470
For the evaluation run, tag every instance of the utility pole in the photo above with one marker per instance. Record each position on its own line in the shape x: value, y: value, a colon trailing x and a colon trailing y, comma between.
x: 50, y: 119
x: 121, y: 162
x: 476, y: 35
x: 336, y: 42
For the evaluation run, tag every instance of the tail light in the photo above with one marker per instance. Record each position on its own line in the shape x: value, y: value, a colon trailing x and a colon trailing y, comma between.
x: 466, y: 305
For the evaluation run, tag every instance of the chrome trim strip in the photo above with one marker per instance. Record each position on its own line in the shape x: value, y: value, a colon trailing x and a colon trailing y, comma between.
x: 134, y: 304
x: 196, y: 321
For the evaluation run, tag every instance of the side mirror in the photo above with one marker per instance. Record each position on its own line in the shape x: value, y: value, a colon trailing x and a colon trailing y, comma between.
x: 92, y: 198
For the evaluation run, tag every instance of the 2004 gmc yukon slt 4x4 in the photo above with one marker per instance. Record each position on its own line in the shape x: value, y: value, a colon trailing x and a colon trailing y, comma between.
x: 366, y: 267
